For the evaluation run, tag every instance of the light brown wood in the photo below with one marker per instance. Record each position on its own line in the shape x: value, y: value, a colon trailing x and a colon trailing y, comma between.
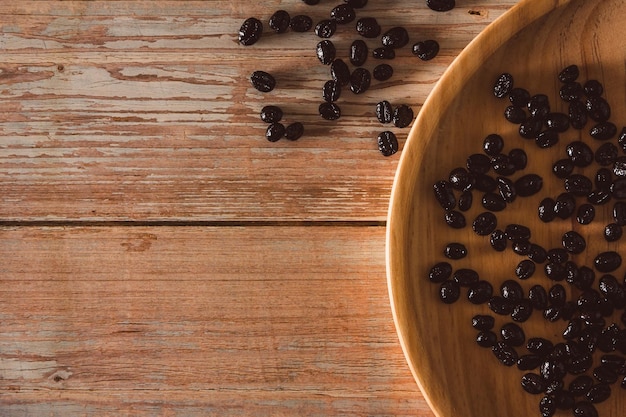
x: 534, y: 41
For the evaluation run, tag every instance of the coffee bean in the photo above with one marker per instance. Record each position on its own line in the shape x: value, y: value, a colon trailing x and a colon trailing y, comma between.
x: 598, y: 109
x: 515, y: 114
x: 455, y: 250
x: 607, y: 261
x: 396, y: 37
x: 603, y: 131
x: 358, y: 53
x: 539, y: 107
x: 444, y: 194
x: 384, y: 114
x: 262, y: 81
x: 465, y: 277
x: 271, y: 114
x: 250, y: 31
x: 479, y: 292
x: 426, y: 50
x: 275, y: 131
x: 533, y: 383
x: 503, y: 85
x: 326, y: 28
x: 357, y: 4
x: 279, y: 21
x: 577, y: 113
x: 360, y: 80
x: 368, y: 27
x: 519, y: 97
x: 483, y: 322
x: 382, y: 72
x: 485, y: 223
x: 486, y: 338
x: 525, y: 269
x: 507, y: 355
x: 329, y: 111
x: 569, y: 73
x: 606, y: 154
x: 331, y: 91
x: 573, y: 242
x: 388, y: 145
x: 440, y: 5
x: 301, y: 23
x: 294, y: 131
x: 528, y: 185
x: 384, y: 52
x: 440, y: 272
x: 343, y: 14
x: 326, y: 52
x: 612, y: 232
x: 402, y: 116
x: 571, y: 91
x: 340, y: 72
x: 585, y: 214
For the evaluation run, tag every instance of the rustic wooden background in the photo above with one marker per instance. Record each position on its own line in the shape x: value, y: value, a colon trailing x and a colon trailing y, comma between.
x: 157, y: 255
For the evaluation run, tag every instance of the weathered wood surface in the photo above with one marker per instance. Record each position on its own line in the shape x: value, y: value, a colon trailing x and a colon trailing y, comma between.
x: 159, y: 256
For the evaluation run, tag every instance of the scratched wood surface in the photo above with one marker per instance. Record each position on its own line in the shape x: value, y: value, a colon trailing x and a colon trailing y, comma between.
x: 157, y: 255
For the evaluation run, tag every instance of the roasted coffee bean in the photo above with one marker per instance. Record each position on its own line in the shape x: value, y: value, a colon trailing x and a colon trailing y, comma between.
x: 584, y: 409
x: 558, y: 122
x: 537, y: 253
x: 580, y: 153
x: 558, y: 255
x: 578, y: 184
x: 301, y: 23
x: 294, y: 131
x: 440, y: 5
x: 326, y: 28
x: 357, y: 4
x: 262, y: 81
x: 519, y: 97
x: 557, y: 295
x: 599, y: 197
x: 340, y: 72
x: 455, y: 250
x: 612, y: 232
x: 388, y: 145
x: 250, y: 31
x: 603, y: 131
x: 384, y: 114
x: 530, y: 128
x: 525, y: 269
x: 506, y: 189
x: 529, y: 362
x: 515, y: 114
x: 331, y: 91
x: 465, y: 277
x: 486, y: 338
x: 585, y: 214
x: 271, y: 114
x: 360, y: 80
x: 571, y: 91
x: 584, y: 278
x: 500, y: 306
x: 538, y: 297
x: 619, y: 213
x: 343, y: 14
x: 528, y: 185
x: 484, y: 223
x: 577, y: 114
x: 493, y: 144
x: 546, y: 210
x: 426, y: 50
x: 478, y: 163
x: 279, y: 21
x: 326, y: 52
x: 579, y: 363
x: 603, y: 179
x: 521, y: 247
x: 593, y: 88
x: 480, y: 292
x: 402, y: 116
x: 485, y: 183
x: 547, y: 406
x: 580, y: 385
x: 606, y: 154
x: 539, y: 346
x: 465, y: 200
x: 555, y: 271
x: 522, y: 311
x: 569, y: 73
x: 618, y: 188
x: 538, y: 106
x: 546, y: 139
x: 563, y: 399
x: 493, y: 202
x: 552, y: 369
x: 449, y: 292
x: 503, y: 85
x: 440, y: 272
x: 275, y: 131
x: 573, y: 329
x: 444, y: 194
x: 329, y: 111
x: 368, y: 27
x: 518, y: 158
x: 516, y: 231
x: 573, y: 242
x: 619, y: 166
x: 605, y: 374
x: 565, y: 205
x: 506, y: 354
x: 533, y: 383
x: 358, y: 53
x: 395, y: 38
x: 512, y: 334
x: 598, y: 109
x: 616, y: 362
x: 498, y: 240
x: 599, y: 393
x: 621, y: 140
x: 311, y: 2
x: 607, y: 261
x: 384, y: 52
x: 511, y: 290
x: 382, y: 72
x: 483, y: 322
x: 588, y: 300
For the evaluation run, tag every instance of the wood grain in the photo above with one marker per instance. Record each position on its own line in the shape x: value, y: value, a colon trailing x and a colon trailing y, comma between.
x: 143, y: 110
x: 534, y: 43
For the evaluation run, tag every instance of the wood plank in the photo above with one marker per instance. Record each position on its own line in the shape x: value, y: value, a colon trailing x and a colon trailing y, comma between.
x: 199, y: 321
x: 143, y: 110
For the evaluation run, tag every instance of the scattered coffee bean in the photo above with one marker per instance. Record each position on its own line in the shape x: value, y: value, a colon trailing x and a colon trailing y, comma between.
x: 368, y: 27
x: 485, y: 223
x: 360, y: 80
x: 340, y: 71
x: 331, y: 91
x: 383, y: 52
x: 607, y: 261
x: 503, y: 85
x: 395, y: 38
x: 440, y: 272
x: 479, y: 292
x: 426, y: 50
x: 506, y: 354
x: 279, y: 21
x: 250, y: 31
x: 294, y: 131
x: 402, y: 116
x: 384, y: 114
x: 483, y: 322
x: 326, y: 52
x: 440, y: 5
x: 271, y: 114
x: 382, y: 72
x: 326, y: 28
x: 329, y: 111
x: 357, y: 4
x: 301, y: 23
x: 358, y: 53
x: 343, y: 14
x: 388, y: 145
x: 262, y: 81
x: 275, y: 131
x: 449, y: 292
x: 486, y: 338
x: 533, y: 383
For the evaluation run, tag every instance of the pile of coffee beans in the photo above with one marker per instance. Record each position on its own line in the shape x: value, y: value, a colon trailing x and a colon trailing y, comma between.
x: 359, y: 79
x: 582, y: 292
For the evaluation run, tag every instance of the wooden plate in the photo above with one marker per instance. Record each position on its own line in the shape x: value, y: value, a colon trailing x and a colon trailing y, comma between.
x: 533, y: 42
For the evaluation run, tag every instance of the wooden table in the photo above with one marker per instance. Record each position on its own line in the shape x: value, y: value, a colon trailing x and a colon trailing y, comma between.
x: 160, y: 257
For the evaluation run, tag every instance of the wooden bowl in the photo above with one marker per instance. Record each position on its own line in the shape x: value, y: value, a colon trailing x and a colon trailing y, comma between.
x: 533, y: 41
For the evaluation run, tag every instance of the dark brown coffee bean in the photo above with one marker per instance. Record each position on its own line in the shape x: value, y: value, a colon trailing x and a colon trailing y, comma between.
x: 455, y: 250
x: 538, y: 106
x: 486, y: 338
x: 577, y: 114
x: 493, y: 144
x: 331, y: 91
x: 573, y: 242
x: 552, y: 369
x: 593, y: 88
x: 449, y: 291
x: 271, y: 114
x: 578, y: 184
x: 250, y: 31
x: 538, y: 297
x: 357, y: 4
x: 612, y: 232
x: 498, y: 240
x: 557, y: 295
x: 388, y: 145
x: 279, y: 21
x: 485, y: 223
x: 511, y: 290
x: 326, y: 52
x: 530, y: 128
x: 603, y: 131
x: 426, y: 50
x: 619, y: 213
x: 358, y: 53
x: 465, y: 277
x: 525, y: 269
x: 444, y: 194
x: 478, y: 163
x: 500, y: 306
x: 584, y: 409
x: 440, y: 5
x: 546, y: 139
x: 360, y: 80
x: 506, y: 188
x: 340, y: 71
x: 479, y: 292
x: 262, y: 81
x: 547, y: 406
x: 301, y: 23
x: 522, y: 311
x: 515, y: 114
x: 580, y: 153
x: 580, y: 385
x: 493, y: 202
x: 558, y: 255
x: 607, y: 261
x: 558, y: 122
x: 326, y: 28
x: 506, y: 354
x: 537, y: 253
x: 311, y: 2
x: 619, y: 166
x: 571, y: 91
x: 275, y: 131
x: 382, y: 72
x: 503, y: 85
x: 517, y: 232
x: 396, y: 37
x: 569, y: 74
x: 384, y: 52
x: 606, y: 154
x: 599, y: 392
x: 533, y: 383
x: 483, y: 322
x: 465, y: 200
x: 563, y: 168
x: 598, y: 109
x: 528, y: 185
x: 329, y: 111
x: 585, y: 214
x: 294, y: 131
x: 343, y: 14
x: 368, y: 27
x: 546, y: 210
x: 384, y: 114
x: 529, y: 362
x: 519, y: 97
x: 502, y: 165
x: 402, y: 116
x: 440, y: 272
